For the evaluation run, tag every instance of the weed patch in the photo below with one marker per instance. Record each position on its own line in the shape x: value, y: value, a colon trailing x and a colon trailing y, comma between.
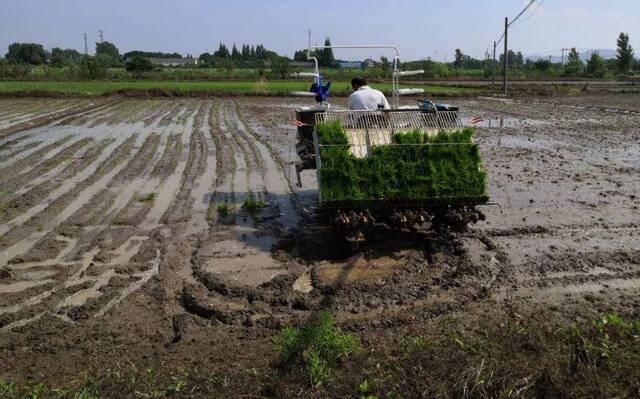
x: 319, y: 346
x: 224, y: 209
x: 147, y: 198
x: 252, y: 205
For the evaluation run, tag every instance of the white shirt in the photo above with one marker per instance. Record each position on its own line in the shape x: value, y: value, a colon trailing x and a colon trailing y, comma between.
x: 366, y: 98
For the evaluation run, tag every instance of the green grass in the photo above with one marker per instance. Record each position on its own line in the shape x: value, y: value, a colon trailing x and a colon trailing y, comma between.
x: 318, y: 345
x: 224, y: 209
x: 150, y: 197
x: 101, y: 87
x: 252, y: 205
x: 431, y: 173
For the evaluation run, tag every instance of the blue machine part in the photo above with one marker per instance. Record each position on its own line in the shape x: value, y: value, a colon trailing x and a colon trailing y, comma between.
x: 322, y: 91
x: 428, y: 105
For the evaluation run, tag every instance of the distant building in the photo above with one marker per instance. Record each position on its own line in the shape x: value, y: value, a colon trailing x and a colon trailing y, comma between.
x: 173, y: 62
x: 350, y: 64
x: 368, y: 63
x: 299, y: 64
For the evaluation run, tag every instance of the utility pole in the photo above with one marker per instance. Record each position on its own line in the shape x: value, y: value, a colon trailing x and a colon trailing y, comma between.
x: 86, y: 45
x: 101, y: 34
x: 493, y: 65
x: 309, y: 39
x: 506, y: 58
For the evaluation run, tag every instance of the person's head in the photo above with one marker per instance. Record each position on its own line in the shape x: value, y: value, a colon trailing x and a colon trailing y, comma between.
x: 358, y: 82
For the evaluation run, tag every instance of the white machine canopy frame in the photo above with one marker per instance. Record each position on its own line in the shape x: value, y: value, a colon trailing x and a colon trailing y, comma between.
x: 396, y: 90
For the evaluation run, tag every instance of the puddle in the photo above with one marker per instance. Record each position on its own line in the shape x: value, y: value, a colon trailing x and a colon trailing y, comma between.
x: 244, y: 262
x: 22, y: 285
x: 303, y: 284
x: 81, y: 297
x: 355, y: 270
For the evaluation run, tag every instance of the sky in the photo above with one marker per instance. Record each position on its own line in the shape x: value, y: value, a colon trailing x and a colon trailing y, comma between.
x: 420, y: 28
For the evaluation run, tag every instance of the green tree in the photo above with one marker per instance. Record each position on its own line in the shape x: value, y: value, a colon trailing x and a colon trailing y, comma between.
x: 512, y: 59
x: 459, y: 59
x: 95, y: 67
x: 596, y: 66
x: 385, y: 63
x: 138, y: 65
x: 300, y: 55
x: 280, y: 67
x: 27, y: 53
x: 206, y: 59
x: 60, y: 57
x: 434, y: 69
x: 110, y: 50
x: 234, y: 52
x: 326, y: 58
x: 519, y: 61
x: 149, y: 54
x: 574, y: 63
x: 624, y: 59
x: 542, y: 65
x: 222, y: 52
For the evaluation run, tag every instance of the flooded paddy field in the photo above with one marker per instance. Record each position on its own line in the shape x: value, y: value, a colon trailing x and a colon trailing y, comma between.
x: 126, y: 237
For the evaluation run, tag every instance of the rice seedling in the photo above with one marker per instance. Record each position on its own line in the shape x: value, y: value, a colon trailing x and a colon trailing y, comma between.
x: 440, y: 168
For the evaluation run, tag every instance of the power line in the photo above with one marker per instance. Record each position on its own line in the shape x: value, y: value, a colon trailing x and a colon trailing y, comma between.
x: 534, y: 12
x: 513, y: 21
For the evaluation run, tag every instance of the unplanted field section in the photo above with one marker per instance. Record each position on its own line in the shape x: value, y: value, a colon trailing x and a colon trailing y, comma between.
x: 89, y: 204
x: 80, y: 199
x: 169, y: 234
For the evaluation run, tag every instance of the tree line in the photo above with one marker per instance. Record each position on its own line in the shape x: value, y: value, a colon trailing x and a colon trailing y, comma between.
x: 596, y: 66
x: 107, y: 55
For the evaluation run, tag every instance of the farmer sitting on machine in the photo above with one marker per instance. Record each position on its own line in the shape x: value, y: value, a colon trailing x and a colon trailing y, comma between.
x: 366, y: 98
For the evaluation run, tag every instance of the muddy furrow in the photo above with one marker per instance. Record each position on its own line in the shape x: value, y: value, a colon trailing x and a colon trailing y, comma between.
x: 126, y: 251
x: 45, y: 190
x: 10, y: 144
x: 226, y: 160
x: 20, y: 238
x: 234, y: 189
x: 120, y: 192
x: 254, y: 160
x: 167, y: 164
x: 14, y: 154
x: 113, y: 114
x: 139, y: 111
x: 237, y: 247
x: 180, y: 209
x: 277, y: 186
x: 42, y: 169
x: 54, y: 118
x: 169, y: 185
x: 206, y: 183
x: 79, y: 280
x: 254, y: 170
x: 25, y: 164
x: 165, y: 108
